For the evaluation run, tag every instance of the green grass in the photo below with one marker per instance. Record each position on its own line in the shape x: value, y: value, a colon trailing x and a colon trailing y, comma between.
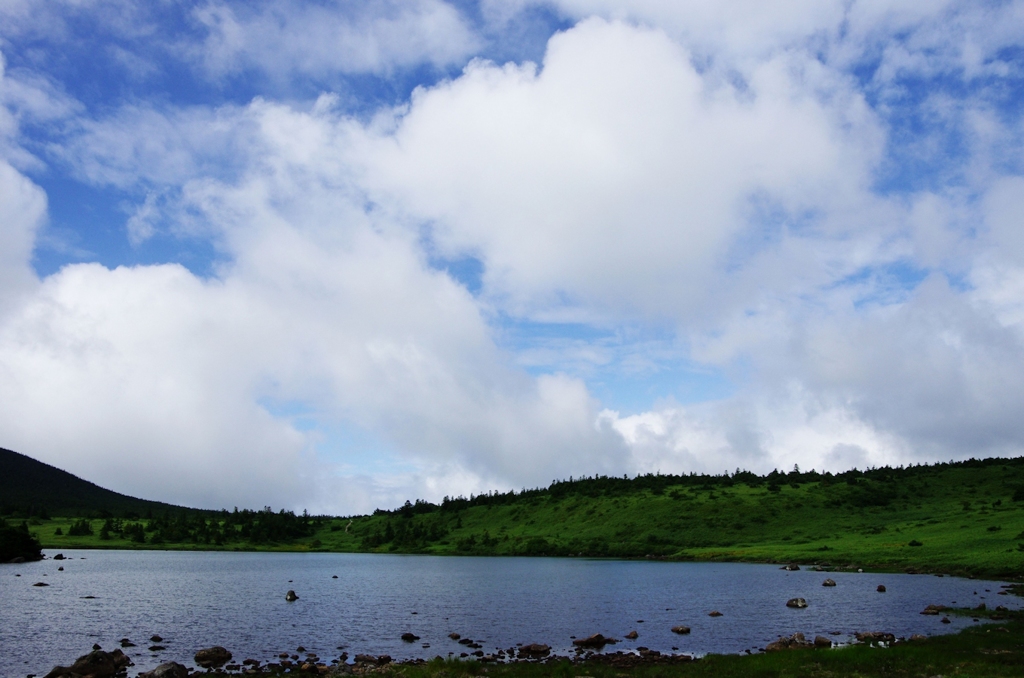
x: 964, y: 518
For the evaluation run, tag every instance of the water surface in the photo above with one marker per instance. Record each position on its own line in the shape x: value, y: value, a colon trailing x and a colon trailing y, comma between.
x: 198, y: 599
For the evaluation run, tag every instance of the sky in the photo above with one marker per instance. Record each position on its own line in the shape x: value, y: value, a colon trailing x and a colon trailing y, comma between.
x: 334, y: 255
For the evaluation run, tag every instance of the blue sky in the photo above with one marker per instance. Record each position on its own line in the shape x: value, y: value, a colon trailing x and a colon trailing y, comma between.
x: 333, y: 255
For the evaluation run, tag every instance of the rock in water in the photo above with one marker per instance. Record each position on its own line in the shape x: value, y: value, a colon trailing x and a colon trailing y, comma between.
x: 874, y: 637
x: 410, y: 637
x: 793, y: 642
x: 594, y: 641
x: 98, y: 664
x: 59, y: 556
x: 796, y: 602
x: 291, y: 596
x: 714, y: 613
x: 167, y: 670
x: 534, y: 650
x: 934, y: 609
x: 454, y: 636
x: 681, y: 630
x: 828, y: 582
x: 155, y: 639
x: 792, y: 567
x: 632, y: 635
x: 822, y: 641
x: 881, y: 588
x: 40, y: 583
x: 213, y: 657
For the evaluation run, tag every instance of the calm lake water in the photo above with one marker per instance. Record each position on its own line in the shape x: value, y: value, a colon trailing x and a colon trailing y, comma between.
x: 195, y: 600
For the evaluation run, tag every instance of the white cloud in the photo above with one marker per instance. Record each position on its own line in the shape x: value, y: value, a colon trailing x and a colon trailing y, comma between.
x: 284, y: 39
x: 164, y: 384
x: 616, y: 177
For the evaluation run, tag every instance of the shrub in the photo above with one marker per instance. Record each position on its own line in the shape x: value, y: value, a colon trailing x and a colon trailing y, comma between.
x: 17, y: 542
x: 914, y: 542
x: 80, y: 528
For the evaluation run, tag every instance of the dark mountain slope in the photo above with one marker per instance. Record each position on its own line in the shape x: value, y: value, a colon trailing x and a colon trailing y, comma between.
x: 32, y: 488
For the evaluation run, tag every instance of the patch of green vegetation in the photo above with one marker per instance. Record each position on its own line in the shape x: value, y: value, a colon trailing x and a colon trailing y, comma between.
x: 264, y: 530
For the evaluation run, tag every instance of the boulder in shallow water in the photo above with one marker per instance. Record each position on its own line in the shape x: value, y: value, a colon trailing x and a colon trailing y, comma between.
x: 212, y: 657
x: 798, y: 603
x: 681, y: 630
x: 828, y: 582
x: 793, y: 642
x: 881, y: 588
x: 792, y: 567
x: 714, y: 613
x: 874, y: 637
x: 167, y: 670
x: 934, y: 609
x: 595, y: 641
x: 822, y: 642
x: 632, y: 635
x: 410, y: 637
x: 454, y: 636
x: 97, y: 664
x: 291, y: 596
x: 534, y: 650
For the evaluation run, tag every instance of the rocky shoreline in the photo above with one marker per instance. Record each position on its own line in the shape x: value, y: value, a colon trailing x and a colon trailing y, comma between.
x: 219, y: 661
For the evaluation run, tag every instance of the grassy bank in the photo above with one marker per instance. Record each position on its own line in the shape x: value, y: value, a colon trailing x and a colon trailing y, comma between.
x: 965, y: 518
x: 985, y: 651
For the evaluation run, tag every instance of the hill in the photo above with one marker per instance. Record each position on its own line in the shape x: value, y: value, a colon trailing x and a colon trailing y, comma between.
x: 30, y: 488
x: 965, y: 517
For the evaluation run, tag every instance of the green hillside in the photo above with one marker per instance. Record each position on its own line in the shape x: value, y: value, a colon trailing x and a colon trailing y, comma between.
x: 965, y: 517
x: 30, y: 488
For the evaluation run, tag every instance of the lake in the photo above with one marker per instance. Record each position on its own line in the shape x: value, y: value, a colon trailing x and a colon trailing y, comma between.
x: 196, y: 599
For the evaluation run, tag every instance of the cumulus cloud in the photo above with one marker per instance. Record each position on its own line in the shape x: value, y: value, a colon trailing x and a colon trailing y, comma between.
x: 616, y: 178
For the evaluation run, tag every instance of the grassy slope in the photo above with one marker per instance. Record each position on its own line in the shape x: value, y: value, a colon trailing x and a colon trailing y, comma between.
x: 963, y: 515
